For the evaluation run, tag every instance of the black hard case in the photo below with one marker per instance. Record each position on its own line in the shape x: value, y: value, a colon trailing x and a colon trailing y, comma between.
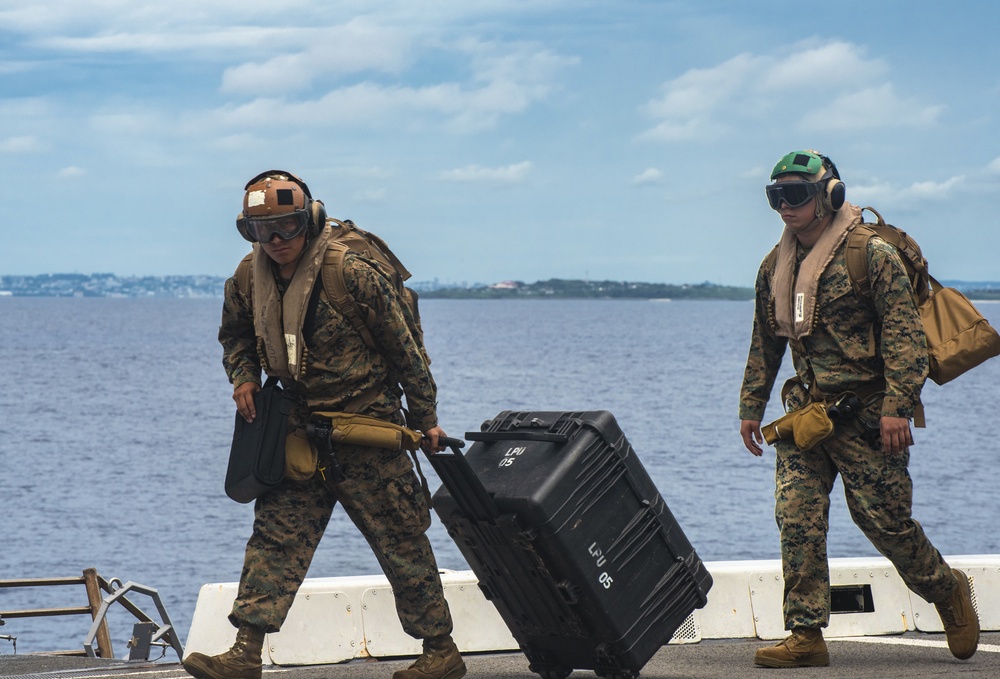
x: 571, y: 541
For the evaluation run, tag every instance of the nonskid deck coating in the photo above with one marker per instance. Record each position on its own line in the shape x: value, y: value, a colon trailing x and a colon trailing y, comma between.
x: 907, y: 655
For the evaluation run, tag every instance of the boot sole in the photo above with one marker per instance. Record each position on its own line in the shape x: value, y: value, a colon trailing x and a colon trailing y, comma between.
x: 194, y: 667
x: 456, y: 672
x: 972, y: 620
x: 820, y: 660
x: 199, y: 670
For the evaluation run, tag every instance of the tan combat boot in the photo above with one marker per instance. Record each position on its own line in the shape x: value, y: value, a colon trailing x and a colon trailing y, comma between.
x: 961, y: 624
x: 804, y: 648
x: 440, y: 660
x: 242, y: 661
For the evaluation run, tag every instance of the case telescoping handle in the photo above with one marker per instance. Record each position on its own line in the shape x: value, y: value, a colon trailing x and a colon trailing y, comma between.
x: 450, y: 442
x: 463, y: 484
x: 562, y: 432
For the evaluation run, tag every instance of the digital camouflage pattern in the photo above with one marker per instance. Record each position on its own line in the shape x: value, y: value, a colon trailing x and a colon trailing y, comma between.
x: 384, y: 498
x: 855, y: 344
x: 879, y: 495
x: 338, y: 365
x: 382, y: 495
x: 849, y: 348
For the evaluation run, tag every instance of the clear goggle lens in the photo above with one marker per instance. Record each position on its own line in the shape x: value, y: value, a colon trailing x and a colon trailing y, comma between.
x: 286, y: 227
x: 793, y: 193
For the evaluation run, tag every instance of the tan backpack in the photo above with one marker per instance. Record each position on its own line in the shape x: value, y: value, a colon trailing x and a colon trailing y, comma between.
x: 958, y: 337
x: 348, y: 237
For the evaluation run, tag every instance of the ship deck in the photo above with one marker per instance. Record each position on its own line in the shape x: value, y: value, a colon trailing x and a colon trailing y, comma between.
x: 912, y: 654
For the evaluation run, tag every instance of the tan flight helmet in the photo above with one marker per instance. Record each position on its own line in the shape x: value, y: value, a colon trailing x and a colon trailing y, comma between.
x: 278, y: 202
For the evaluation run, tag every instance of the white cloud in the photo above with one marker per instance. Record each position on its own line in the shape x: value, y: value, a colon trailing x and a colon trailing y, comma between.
x: 364, y: 103
x: 364, y: 172
x: 25, y: 108
x: 833, y: 86
x: 756, y: 172
x: 932, y: 190
x: 994, y: 167
x: 492, y: 80
x: 648, y: 177
x: 371, y: 195
x: 108, y: 18
x: 833, y: 65
x: 284, y: 73
x: 72, y: 171
x: 234, y: 142
x: 879, y: 192
x: 701, y: 91
x: 694, y: 128
x: 125, y: 41
x: 22, y: 144
x: 509, y: 174
x: 506, y: 78
x: 306, y: 63
x: 354, y: 47
x: 465, y: 108
x: 869, y: 108
x: 184, y: 16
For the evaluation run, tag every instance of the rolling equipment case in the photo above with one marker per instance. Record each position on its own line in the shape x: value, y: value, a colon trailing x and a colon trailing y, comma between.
x: 570, y: 540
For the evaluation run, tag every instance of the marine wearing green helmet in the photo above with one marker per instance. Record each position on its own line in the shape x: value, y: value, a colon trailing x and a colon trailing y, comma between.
x: 870, y: 349
x: 798, y: 162
x: 819, y: 177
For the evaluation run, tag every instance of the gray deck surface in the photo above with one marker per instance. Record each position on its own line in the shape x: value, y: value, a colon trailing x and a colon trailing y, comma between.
x: 909, y: 655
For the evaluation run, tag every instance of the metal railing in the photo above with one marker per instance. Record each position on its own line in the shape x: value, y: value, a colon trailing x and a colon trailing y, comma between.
x: 145, y: 633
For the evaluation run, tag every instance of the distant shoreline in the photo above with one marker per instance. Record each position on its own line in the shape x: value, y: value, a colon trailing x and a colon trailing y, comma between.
x: 212, y: 287
x: 557, y: 288
x: 110, y: 285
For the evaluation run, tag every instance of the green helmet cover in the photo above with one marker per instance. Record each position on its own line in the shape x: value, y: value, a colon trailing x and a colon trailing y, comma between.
x: 798, y: 162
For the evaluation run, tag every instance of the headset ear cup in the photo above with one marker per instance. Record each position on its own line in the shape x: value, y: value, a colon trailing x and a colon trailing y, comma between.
x: 317, y: 216
x: 836, y: 193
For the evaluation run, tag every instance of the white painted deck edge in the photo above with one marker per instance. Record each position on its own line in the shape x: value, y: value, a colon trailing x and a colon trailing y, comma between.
x: 339, y: 619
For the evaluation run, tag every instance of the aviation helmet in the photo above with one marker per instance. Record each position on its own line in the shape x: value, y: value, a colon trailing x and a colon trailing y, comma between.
x: 277, y: 202
x: 820, y: 178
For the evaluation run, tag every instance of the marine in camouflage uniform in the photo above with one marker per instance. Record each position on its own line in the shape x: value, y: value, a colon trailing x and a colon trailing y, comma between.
x: 336, y: 371
x: 382, y: 495
x: 873, y: 347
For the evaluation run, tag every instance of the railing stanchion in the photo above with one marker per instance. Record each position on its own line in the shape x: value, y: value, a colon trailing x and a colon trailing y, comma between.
x: 94, y: 596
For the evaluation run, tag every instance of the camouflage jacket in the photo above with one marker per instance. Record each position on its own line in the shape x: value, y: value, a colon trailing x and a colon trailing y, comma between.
x: 855, y: 342
x: 338, y: 365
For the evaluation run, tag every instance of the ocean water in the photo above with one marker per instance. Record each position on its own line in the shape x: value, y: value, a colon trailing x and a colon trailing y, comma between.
x: 116, y: 418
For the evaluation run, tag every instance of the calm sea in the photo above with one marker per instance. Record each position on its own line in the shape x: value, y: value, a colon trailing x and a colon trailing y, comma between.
x: 116, y: 417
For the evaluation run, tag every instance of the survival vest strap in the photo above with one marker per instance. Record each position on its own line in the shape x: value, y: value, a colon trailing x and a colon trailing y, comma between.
x: 958, y: 337
x: 347, y: 237
x: 856, y: 257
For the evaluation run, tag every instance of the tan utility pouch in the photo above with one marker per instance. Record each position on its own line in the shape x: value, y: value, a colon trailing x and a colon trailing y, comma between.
x: 362, y: 430
x: 301, y: 458
x: 808, y: 427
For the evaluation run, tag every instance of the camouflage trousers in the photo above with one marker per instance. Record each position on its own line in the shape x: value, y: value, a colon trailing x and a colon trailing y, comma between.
x: 386, y: 501
x: 879, y: 495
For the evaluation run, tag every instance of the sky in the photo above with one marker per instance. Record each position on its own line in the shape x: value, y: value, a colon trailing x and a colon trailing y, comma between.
x: 492, y: 140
